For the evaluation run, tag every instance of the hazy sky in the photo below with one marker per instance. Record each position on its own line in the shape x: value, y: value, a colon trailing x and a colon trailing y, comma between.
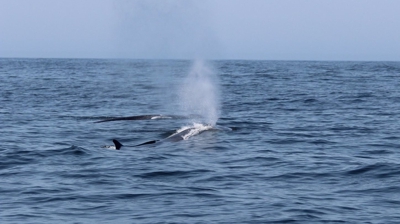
x: 208, y: 29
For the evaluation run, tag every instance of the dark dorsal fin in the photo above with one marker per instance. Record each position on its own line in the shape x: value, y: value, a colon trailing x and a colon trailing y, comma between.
x: 117, y: 144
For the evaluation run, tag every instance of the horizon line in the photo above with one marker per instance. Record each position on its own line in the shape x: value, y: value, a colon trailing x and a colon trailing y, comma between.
x: 193, y: 59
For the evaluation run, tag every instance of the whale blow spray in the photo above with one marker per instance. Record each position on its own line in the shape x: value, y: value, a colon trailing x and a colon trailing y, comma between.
x: 200, y: 93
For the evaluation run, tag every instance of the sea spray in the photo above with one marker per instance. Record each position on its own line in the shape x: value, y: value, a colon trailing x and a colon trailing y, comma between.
x: 200, y: 93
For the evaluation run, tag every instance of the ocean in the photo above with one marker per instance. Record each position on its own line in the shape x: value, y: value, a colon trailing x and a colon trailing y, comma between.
x: 294, y: 141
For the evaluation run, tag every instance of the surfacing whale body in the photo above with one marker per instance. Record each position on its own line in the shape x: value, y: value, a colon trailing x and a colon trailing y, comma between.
x: 148, y: 117
x: 183, y: 133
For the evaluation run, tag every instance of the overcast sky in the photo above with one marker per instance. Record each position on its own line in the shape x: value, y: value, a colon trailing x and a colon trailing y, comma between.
x: 208, y: 29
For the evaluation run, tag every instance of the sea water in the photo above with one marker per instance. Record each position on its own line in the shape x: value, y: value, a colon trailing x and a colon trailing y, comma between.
x: 310, y: 142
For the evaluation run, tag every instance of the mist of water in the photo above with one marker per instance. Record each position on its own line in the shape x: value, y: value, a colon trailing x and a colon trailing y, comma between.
x: 200, y: 93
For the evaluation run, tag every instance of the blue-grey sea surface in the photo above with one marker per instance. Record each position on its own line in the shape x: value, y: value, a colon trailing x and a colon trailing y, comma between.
x: 310, y: 142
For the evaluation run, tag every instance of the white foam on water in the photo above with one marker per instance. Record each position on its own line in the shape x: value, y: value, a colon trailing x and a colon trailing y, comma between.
x: 195, y: 129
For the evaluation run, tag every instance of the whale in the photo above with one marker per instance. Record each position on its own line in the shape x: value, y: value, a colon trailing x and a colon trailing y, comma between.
x: 183, y: 133
x: 148, y: 117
